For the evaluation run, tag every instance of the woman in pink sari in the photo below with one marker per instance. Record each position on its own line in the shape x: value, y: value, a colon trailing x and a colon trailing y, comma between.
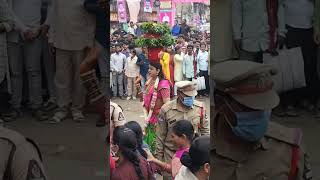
x: 182, y: 136
x: 156, y: 93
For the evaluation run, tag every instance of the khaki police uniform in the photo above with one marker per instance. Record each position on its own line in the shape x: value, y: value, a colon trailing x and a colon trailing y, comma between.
x: 277, y: 155
x: 117, y: 117
x: 171, y: 113
x: 20, y: 159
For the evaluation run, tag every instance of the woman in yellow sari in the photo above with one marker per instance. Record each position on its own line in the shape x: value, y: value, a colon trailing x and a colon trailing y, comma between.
x: 165, y: 63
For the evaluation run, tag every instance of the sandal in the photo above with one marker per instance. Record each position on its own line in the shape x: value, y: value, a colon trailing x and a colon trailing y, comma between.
x: 78, y: 116
x: 58, y: 117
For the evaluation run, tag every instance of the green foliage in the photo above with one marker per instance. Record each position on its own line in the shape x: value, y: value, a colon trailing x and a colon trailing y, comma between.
x: 155, y: 28
x: 166, y: 40
x: 158, y: 29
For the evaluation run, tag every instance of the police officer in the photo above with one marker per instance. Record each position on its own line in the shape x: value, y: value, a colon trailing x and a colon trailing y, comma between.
x: 247, y: 145
x: 20, y: 158
x: 185, y: 107
x: 117, y: 117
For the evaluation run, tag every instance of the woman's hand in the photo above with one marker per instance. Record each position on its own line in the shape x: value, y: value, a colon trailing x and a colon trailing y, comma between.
x: 150, y: 158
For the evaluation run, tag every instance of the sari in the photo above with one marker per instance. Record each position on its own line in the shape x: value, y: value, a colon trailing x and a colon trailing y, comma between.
x: 152, y: 103
x: 176, y: 163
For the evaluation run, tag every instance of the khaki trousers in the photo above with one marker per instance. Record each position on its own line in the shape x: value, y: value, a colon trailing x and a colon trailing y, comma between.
x: 67, y: 79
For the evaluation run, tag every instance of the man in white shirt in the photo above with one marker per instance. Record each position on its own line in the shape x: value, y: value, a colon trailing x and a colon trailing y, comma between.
x: 298, y: 29
x: 24, y: 53
x: 131, y: 29
x: 117, y: 64
x: 71, y: 32
x: 202, y: 67
x: 187, y: 64
x: 251, y: 28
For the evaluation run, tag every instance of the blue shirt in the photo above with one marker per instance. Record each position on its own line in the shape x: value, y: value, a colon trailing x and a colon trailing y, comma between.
x: 175, y: 30
x: 143, y: 67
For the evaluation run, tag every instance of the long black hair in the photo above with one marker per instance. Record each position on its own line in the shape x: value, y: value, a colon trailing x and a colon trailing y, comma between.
x: 158, y: 67
x: 126, y: 139
x: 136, y: 128
x: 184, y: 127
x: 198, y: 154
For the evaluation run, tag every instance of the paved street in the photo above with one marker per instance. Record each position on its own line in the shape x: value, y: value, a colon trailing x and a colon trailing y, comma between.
x: 76, y: 151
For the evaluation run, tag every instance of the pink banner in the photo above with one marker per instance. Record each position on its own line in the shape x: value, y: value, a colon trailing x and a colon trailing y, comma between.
x: 122, y: 11
x: 166, y: 14
x: 147, y: 6
x: 166, y: 17
x: 189, y: 1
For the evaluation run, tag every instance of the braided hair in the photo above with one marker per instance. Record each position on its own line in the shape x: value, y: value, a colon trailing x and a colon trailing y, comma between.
x: 136, y: 128
x: 126, y: 139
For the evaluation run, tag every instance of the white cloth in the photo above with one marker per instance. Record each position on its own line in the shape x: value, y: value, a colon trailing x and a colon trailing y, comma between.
x: 131, y: 68
x: 185, y: 174
x: 118, y: 62
x: 250, y: 24
x: 298, y: 13
x: 202, y: 60
x: 188, y: 67
x: 178, y: 75
x: 27, y: 14
x: 131, y: 30
x: 71, y: 26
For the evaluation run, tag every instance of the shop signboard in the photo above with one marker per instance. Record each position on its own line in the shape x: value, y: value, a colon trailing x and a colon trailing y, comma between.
x: 147, y: 6
x: 165, y: 14
x: 122, y: 11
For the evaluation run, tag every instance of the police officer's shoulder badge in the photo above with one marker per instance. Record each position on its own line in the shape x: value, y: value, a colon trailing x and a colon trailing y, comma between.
x: 121, y: 117
x: 34, y: 171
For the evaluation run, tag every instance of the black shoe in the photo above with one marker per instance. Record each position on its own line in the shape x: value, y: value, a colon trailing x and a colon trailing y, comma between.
x: 123, y: 98
x: 40, y: 115
x: 11, y: 115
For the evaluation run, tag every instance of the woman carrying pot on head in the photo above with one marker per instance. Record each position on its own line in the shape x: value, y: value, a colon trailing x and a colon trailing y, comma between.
x: 155, y: 94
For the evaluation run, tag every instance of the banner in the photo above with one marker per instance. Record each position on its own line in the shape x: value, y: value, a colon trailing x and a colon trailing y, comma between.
x: 165, y: 17
x: 166, y: 14
x: 148, y: 6
x: 134, y: 9
x: 122, y: 11
x: 165, y: 5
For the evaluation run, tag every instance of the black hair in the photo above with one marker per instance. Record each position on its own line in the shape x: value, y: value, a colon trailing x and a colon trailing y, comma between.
x: 190, y: 46
x: 181, y: 36
x: 136, y: 128
x: 198, y: 154
x: 184, y: 127
x: 203, y: 44
x: 126, y: 140
x: 158, y: 67
x: 177, y: 48
x: 134, y: 51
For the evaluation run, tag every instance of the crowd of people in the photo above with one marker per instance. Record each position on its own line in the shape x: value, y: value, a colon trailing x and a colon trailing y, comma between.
x: 167, y: 90
x: 187, y: 59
